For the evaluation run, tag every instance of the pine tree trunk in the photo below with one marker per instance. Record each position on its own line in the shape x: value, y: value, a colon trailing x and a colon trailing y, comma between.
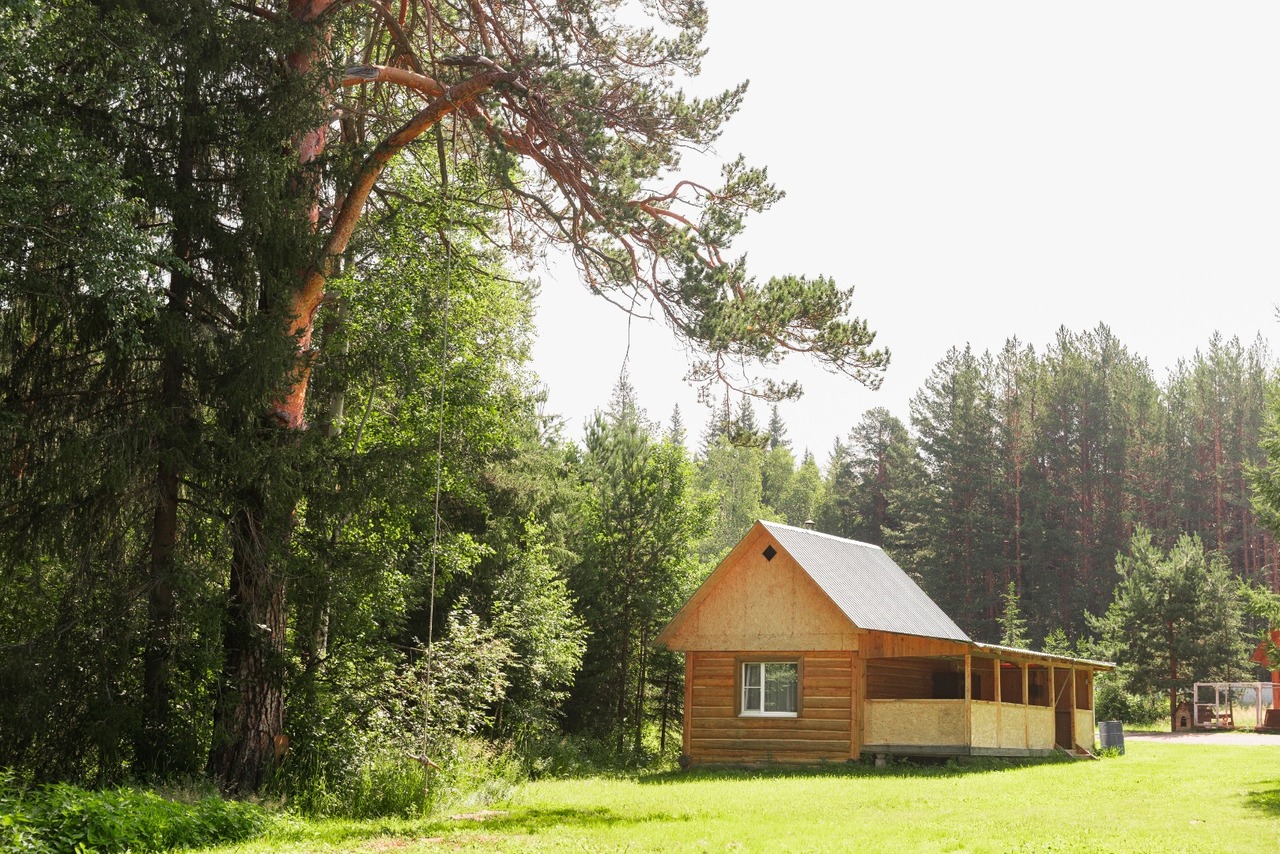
x: 666, y: 702
x: 154, y: 744
x: 249, y: 717
x: 249, y: 721
x: 624, y: 661
x: 641, y: 676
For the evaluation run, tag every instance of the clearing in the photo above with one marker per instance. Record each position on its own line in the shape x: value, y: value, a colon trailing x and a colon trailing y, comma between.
x: 1159, y: 797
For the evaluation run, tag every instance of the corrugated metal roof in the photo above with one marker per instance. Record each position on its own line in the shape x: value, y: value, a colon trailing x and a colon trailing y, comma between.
x: 864, y: 582
x: 1048, y: 656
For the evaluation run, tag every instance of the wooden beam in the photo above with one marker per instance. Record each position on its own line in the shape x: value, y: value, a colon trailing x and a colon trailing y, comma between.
x: 854, y: 705
x: 999, y: 677
x: 1026, y: 707
x: 876, y: 644
x: 968, y: 700
x: 1072, y: 687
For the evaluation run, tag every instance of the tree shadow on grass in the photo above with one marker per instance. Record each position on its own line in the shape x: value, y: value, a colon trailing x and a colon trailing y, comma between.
x: 899, y: 767
x: 534, y: 820
x: 1265, y: 801
x: 531, y: 821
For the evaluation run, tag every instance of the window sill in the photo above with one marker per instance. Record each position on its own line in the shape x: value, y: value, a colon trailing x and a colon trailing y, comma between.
x: 768, y: 714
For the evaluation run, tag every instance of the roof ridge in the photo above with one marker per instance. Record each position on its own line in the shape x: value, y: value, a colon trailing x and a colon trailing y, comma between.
x: 812, y: 532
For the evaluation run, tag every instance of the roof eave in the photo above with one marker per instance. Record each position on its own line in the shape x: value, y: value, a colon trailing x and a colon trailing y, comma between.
x: 1047, y: 656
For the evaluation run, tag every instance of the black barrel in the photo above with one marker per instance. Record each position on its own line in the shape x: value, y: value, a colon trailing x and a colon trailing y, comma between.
x: 1111, y: 734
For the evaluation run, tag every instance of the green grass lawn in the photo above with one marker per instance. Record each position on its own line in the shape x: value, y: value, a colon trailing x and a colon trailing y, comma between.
x: 1159, y: 797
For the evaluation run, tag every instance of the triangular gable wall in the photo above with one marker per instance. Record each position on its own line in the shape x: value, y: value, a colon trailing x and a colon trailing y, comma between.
x: 750, y: 603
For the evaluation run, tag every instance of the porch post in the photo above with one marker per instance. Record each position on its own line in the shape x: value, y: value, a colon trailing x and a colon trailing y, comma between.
x: 1053, y: 701
x: 1026, y: 706
x: 968, y: 699
x: 999, y: 677
x: 1075, y: 736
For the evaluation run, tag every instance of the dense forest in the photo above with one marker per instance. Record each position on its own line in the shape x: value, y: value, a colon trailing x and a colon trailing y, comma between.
x: 282, y: 506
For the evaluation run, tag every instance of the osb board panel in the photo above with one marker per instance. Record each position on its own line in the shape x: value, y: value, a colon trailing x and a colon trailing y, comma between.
x: 914, y: 722
x: 983, y: 720
x: 1084, y: 727
x: 821, y: 732
x: 1013, y: 726
x: 1040, y: 732
x: 753, y: 604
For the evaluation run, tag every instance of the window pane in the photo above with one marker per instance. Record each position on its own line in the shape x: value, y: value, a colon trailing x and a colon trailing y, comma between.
x: 780, y: 688
x: 752, y: 678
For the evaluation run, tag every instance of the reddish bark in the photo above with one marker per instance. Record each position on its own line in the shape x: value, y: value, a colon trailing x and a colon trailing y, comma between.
x: 307, y: 299
x: 249, y: 720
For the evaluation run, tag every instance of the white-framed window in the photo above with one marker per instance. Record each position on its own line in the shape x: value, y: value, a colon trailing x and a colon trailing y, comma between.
x: 771, y: 688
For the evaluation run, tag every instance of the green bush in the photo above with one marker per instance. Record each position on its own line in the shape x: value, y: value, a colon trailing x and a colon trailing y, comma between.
x: 387, y: 783
x: 585, y: 755
x: 61, y: 818
x: 1113, y: 703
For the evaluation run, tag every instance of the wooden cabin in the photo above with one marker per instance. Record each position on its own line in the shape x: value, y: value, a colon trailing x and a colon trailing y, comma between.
x: 804, y: 647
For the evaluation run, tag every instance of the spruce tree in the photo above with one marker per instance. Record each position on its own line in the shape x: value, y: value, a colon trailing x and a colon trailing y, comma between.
x: 1176, y: 617
x: 675, y: 427
x: 1013, y: 627
x: 641, y: 519
x: 883, y: 467
x: 777, y: 430
x: 956, y: 525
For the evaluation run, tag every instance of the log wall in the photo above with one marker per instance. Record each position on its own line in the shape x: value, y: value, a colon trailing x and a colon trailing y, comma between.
x: 906, y: 678
x: 821, y: 731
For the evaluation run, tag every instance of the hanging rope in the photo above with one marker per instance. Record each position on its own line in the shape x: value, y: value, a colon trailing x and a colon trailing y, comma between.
x: 435, y: 523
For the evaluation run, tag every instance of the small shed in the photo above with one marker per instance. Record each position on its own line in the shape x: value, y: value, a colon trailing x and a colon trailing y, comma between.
x: 805, y: 647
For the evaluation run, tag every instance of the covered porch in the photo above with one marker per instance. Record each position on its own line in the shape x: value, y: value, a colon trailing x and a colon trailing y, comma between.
x: 990, y: 701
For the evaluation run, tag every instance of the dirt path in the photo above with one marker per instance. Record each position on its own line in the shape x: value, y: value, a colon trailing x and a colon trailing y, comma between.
x: 1254, y: 738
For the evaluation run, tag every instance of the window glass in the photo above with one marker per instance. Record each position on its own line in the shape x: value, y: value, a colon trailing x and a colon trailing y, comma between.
x: 752, y: 679
x: 770, y: 688
x: 780, y: 688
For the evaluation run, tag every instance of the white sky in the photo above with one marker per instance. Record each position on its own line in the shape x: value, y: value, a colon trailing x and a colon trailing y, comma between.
x: 979, y: 170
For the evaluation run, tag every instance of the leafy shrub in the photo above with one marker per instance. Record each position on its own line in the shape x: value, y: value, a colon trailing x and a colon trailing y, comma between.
x: 61, y: 818
x: 353, y: 752
x: 1113, y: 703
x: 386, y: 783
x: 584, y: 755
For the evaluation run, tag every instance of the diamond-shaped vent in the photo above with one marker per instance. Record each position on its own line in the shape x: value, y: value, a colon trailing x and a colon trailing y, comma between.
x: 769, y: 552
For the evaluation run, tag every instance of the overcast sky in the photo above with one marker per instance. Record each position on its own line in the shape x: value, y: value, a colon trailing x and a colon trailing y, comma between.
x: 978, y: 171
